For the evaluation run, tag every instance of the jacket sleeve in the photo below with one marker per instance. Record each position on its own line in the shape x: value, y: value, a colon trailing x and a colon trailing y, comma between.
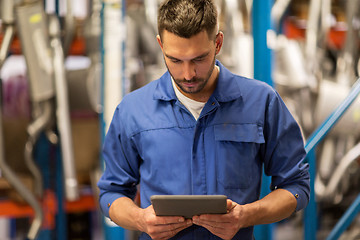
x: 120, y: 176
x: 284, y: 152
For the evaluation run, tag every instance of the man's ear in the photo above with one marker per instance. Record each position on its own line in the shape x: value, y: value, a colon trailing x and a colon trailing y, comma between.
x: 159, y: 41
x: 219, y: 41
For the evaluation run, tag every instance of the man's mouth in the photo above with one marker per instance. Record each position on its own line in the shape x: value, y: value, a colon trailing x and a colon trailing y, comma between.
x: 189, y: 84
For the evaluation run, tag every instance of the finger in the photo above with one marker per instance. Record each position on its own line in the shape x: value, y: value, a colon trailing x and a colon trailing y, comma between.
x: 165, y: 219
x: 172, y: 226
x: 169, y: 220
x: 169, y: 230
x: 214, y: 218
x: 179, y: 227
x: 213, y: 228
x: 208, y: 221
x: 222, y: 230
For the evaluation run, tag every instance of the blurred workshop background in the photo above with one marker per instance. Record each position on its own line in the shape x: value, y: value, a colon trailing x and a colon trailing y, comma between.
x: 65, y: 65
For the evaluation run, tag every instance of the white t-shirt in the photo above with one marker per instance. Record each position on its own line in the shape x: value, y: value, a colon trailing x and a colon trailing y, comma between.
x: 193, y: 106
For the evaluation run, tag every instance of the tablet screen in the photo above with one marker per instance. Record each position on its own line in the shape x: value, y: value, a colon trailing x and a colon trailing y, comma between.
x: 188, y: 205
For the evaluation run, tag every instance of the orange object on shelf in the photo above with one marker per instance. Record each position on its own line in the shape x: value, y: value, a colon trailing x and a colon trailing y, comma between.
x: 15, y: 47
x: 77, y: 46
x: 336, y: 38
x: 294, y: 28
x: 85, y: 203
x: 12, y: 209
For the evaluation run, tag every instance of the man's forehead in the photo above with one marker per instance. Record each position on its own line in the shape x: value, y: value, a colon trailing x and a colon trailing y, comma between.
x: 169, y: 35
x: 175, y: 47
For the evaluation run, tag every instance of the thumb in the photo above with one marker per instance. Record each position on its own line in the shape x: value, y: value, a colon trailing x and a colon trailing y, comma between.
x: 230, y: 205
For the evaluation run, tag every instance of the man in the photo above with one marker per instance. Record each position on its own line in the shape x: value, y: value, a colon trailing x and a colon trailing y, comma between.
x: 200, y: 129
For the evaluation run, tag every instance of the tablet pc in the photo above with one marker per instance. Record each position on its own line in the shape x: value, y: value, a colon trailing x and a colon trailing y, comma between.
x: 188, y: 205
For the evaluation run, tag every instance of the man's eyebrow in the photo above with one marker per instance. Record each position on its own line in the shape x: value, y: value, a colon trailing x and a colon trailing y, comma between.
x: 203, y: 55
x: 171, y: 57
x: 197, y: 57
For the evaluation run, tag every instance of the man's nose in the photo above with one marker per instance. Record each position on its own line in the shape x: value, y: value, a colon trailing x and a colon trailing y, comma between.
x: 189, y: 70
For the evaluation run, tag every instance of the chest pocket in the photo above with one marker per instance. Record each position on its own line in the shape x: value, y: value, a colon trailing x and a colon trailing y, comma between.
x: 237, y: 154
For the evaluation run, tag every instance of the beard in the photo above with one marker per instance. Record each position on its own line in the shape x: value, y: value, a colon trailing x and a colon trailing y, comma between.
x: 197, y: 82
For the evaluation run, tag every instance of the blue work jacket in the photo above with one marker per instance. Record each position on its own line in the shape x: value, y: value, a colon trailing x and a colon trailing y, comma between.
x: 154, y: 141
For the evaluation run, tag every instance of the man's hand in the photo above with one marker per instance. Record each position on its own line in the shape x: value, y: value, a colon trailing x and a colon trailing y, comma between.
x: 224, y: 226
x: 161, y: 227
x: 275, y: 206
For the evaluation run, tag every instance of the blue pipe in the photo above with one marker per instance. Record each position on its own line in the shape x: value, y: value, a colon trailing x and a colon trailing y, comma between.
x: 261, y: 24
x: 310, y: 219
x: 261, y: 20
x: 345, y: 220
x: 310, y: 212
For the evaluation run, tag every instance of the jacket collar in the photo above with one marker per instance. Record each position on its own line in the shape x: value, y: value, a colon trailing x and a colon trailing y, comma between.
x: 227, y: 88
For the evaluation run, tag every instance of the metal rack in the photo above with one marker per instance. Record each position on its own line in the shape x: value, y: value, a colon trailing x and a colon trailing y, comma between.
x: 262, y: 71
x: 47, y: 210
x: 310, y: 218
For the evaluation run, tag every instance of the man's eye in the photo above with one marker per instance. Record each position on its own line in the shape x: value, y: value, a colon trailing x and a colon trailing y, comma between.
x: 198, y: 60
x: 175, y: 61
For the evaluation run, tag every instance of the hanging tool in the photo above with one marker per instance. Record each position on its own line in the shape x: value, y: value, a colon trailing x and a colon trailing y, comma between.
x: 47, y: 84
x: 34, y: 40
x: 62, y: 110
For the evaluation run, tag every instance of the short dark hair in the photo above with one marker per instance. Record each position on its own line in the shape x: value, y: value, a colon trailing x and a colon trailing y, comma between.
x: 187, y: 18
